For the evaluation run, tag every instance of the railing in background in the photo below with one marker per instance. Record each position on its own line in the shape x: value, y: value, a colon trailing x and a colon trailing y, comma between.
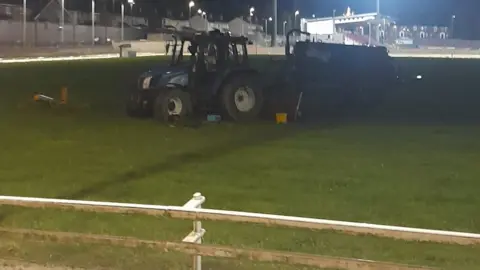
x: 192, y: 242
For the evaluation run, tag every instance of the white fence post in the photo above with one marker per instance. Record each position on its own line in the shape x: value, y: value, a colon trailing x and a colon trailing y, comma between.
x: 196, y: 235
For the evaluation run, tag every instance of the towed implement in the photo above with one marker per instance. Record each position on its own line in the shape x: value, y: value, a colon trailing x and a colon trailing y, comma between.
x: 329, y: 78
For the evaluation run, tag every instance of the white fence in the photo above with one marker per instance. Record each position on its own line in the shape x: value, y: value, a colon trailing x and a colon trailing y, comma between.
x: 192, y: 243
x: 45, y: 33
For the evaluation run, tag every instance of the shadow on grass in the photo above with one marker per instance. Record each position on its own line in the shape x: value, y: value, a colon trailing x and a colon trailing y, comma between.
x: 176, y: 162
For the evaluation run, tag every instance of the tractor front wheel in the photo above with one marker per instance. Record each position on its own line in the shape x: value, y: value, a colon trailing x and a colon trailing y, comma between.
x: 242, y: 98
x: 172, y: 103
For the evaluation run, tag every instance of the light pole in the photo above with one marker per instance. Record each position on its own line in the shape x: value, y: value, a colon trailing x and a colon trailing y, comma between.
x: 251, y: 10
x: 93, y: 22
x: 62, y: 22
x: 275, y: 23
x: 131, y: 2
x: 378, y: 7
x: 266, y: 25
x: 369, y: 33
x: 191, y: 4
x: 295, y: 18
x: 333, y: 21
x: 284, y: 28
x: 122, y: 10
x: 204, y: 15
x: 24, y: 26
x: 452, y: 26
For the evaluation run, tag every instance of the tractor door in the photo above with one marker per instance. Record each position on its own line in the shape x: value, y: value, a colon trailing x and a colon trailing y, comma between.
x: 241, y: 54
x: 205, y: 71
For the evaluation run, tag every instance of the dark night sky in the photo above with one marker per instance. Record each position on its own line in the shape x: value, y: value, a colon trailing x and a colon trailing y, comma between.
x: 409, y: 12
x: 413, y: 11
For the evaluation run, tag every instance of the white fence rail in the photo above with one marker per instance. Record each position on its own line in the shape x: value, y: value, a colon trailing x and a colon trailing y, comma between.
x: 192, y: 210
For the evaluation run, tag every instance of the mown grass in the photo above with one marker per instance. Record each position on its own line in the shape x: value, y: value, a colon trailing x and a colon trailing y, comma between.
x: 413, y: 162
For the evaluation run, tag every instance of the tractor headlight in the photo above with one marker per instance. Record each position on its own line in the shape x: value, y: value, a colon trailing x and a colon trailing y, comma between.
x: 146, y: 82
x: 180, y: 79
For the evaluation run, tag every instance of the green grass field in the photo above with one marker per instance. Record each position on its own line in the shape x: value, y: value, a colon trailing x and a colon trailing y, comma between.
x: 413, y: 162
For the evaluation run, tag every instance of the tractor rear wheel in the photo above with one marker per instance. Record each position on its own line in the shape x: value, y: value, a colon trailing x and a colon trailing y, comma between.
x: 172, y: 103
x: 137, y: 104
x: 242, y: 98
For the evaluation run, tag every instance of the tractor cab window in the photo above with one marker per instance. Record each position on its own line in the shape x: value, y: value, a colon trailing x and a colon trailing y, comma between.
x: 241, y: 53
x: 236, y: 53
x: 177, y: 51
x: 240, y: 50
x: 210, y: 53
x: 231, y: 52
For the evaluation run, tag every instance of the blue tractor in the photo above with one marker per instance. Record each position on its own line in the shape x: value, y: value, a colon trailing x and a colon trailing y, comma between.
x: 214, y: 77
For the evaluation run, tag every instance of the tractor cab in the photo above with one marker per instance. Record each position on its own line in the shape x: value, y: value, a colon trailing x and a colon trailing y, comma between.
x: 203, y: 67
x: 216, y: 57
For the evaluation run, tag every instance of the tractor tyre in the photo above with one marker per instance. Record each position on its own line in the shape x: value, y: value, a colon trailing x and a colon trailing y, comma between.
x: 242, y: 98
x: 172, y: 103
x: 137, y: 104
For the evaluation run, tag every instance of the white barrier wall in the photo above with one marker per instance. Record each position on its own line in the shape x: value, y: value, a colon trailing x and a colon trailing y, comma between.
x: 44, y: 33
x: 324, y: 27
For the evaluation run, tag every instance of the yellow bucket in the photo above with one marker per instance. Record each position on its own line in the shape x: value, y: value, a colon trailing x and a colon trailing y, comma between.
x: 281, y: 118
